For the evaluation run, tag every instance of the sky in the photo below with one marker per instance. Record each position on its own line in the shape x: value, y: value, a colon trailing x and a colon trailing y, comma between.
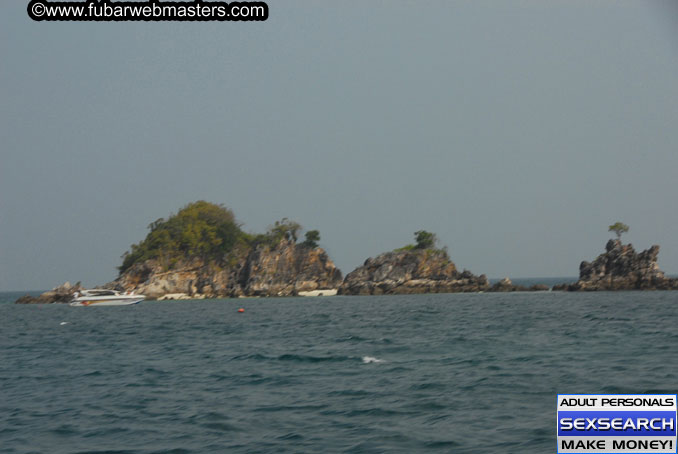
x: 515, y: 130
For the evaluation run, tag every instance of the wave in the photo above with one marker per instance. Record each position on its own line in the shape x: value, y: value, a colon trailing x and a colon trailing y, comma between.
x: 294, y: 357
x: 371, y: 359
x: 312, y: 359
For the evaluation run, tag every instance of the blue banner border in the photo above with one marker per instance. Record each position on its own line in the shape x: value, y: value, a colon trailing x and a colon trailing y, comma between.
x: 602, y: 394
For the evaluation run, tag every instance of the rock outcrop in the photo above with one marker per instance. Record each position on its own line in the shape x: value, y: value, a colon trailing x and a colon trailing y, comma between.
x: 287, y: 270
x: 283, y: 270
x: 411, y: 271
x: 505, y: 285
x: 561, y: 287
x: 60, y: 294
x: 622, y: 268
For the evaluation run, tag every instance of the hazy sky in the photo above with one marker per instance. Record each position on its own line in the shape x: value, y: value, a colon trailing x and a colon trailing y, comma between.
x: 517, y: 131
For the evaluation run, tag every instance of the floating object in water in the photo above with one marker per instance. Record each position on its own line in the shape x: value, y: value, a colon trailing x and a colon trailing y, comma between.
x: 105, y: 297
x: 241, y: 310
x: 371, y: 359
x: 63, y: 323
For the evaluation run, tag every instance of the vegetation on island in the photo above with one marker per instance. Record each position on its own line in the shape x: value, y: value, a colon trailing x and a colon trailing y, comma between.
x: 424, y: 241
x: 618, y: 228
x: 207, y: 231
x: 312, y: 238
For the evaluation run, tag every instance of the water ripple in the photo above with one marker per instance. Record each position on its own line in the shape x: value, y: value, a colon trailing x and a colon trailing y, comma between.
x: 420, y: 373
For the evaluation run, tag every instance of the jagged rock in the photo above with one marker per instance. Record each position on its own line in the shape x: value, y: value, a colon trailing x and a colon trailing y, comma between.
x: 621, y: 268
x: 505, y: 285
x: 188, y: 277
x: 60, y: 294
x: 410, y: 271
x: 287, y: 270
x: 283, y: 270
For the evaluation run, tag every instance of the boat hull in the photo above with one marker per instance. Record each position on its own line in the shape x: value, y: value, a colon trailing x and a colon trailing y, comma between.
x: 107, y: 302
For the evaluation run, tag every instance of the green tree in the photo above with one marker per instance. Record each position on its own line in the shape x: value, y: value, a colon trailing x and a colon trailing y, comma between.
x: 286, y: 229
x: 199, y: 229
x: 425, y: 240
x: 312, y: 238
x: 618, y: 228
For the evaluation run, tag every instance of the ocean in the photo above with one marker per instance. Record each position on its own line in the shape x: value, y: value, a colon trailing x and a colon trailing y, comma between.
x: 460, y: 373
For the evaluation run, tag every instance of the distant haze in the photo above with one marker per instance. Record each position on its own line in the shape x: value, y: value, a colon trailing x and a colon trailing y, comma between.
x: 517, y: 131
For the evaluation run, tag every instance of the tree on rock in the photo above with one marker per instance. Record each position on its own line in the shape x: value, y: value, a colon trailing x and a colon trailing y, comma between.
x: 618, y: 228
x: 286, y: 229
x: 425, y: 240
x: 312, y: 238
x: 200, y: 229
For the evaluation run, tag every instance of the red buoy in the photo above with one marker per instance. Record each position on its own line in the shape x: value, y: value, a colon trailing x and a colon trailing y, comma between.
x: 241, y: 310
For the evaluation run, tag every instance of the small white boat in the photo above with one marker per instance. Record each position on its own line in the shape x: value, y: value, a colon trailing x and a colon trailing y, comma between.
x: 105, y: 297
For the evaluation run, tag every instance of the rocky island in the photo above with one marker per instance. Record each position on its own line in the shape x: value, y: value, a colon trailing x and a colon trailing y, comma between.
x: 201, y: 252
x: 419, y: 268
x: 60, y: 294
x: 620, y: 267
x: 283, y: 269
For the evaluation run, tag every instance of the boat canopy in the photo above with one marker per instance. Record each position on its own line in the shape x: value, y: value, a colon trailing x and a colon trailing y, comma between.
x: 99, y: 292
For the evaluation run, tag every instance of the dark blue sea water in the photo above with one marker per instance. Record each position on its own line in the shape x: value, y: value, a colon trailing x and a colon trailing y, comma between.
x: 461, y: 373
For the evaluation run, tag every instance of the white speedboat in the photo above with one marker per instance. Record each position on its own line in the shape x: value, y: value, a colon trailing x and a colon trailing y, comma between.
x: 105, y: 297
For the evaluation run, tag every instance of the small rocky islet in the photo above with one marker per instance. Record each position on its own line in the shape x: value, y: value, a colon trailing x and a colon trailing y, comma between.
x: 201, y: 252
x: 415, y: 270
x: 620, y: 267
